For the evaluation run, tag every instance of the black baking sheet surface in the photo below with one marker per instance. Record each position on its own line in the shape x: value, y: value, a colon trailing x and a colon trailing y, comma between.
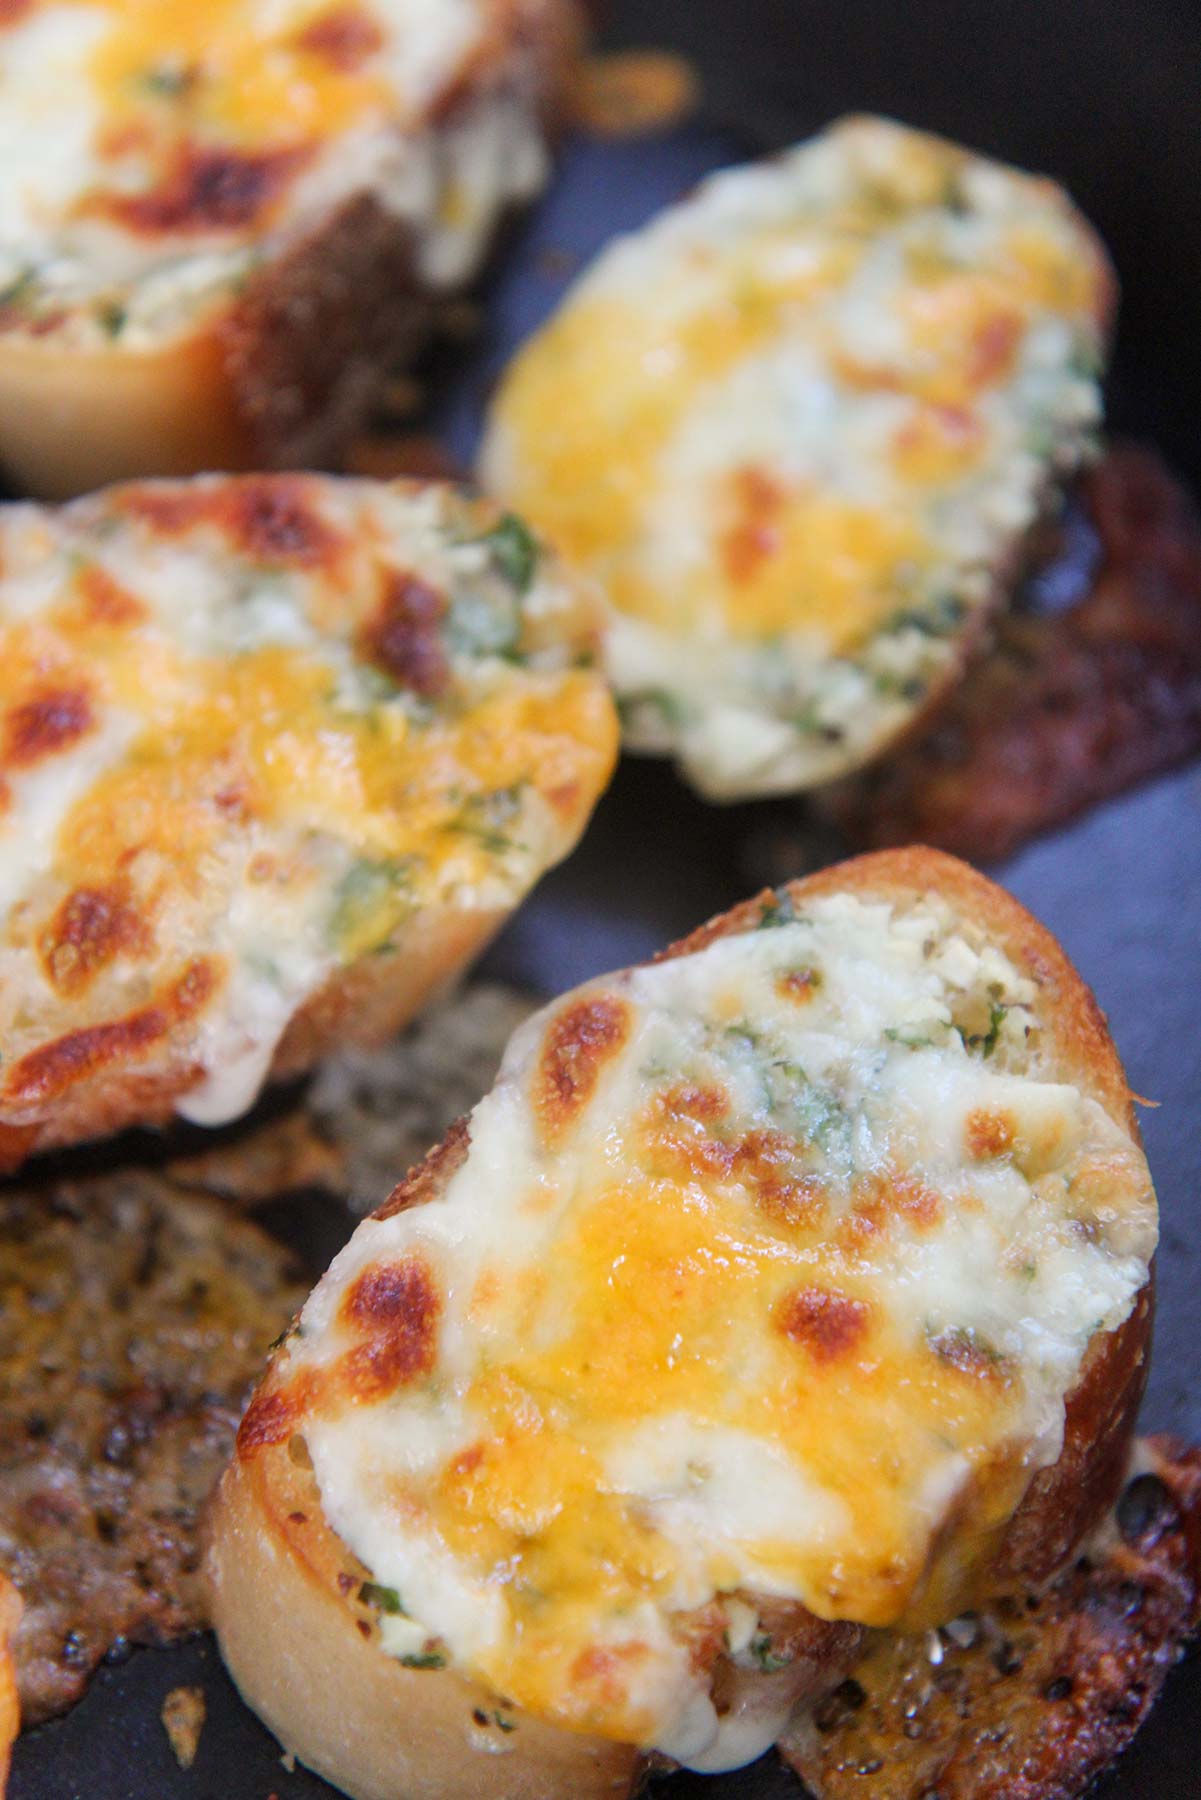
x: 1107, y: 97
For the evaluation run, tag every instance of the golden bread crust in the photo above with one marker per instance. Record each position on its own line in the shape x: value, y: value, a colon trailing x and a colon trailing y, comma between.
x: 72, y: 420
x: 1063, y: 1503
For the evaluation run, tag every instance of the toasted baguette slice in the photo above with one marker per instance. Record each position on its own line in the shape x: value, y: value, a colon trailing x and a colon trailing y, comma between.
x: 797, y: 428
x: 794, y: 1283
x: 278, y: 754
x: 225, y: 224
x: 10, y: 1715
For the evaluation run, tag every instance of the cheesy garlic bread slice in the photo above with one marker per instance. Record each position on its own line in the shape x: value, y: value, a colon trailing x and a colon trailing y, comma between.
x: 797, y: 428
x: 221, y: 224
x: 277, y: 755
x: 796, y: 1283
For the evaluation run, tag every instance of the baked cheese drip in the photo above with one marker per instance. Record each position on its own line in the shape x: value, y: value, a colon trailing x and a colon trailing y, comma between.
x: 765, y: 1274
x: 252, y: 731
x: 154, y: 152
x: 796, y: 428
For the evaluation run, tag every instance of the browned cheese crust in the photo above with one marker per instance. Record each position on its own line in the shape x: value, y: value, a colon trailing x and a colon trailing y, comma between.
x: 1032, y: 1699
x: 132, y: 1319
x: 285, y: 1587
x: 1069, y: 707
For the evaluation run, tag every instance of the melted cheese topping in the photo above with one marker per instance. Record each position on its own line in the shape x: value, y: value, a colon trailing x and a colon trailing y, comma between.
x: 265, y: 726
x: 795, y: 427
x: 153, y: 152
x: 765, y: 1274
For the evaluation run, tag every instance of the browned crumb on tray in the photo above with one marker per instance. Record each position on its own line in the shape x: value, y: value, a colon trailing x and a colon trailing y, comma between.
x: 183, y: 1714
x: 632, y: 92
x: 1032, y: 1700
x: 1070, y: 706
x: 134, y: 1318
x: 262, y: 1159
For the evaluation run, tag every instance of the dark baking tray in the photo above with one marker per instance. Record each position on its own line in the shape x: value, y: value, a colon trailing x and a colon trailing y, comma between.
x: 1106, y: 96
